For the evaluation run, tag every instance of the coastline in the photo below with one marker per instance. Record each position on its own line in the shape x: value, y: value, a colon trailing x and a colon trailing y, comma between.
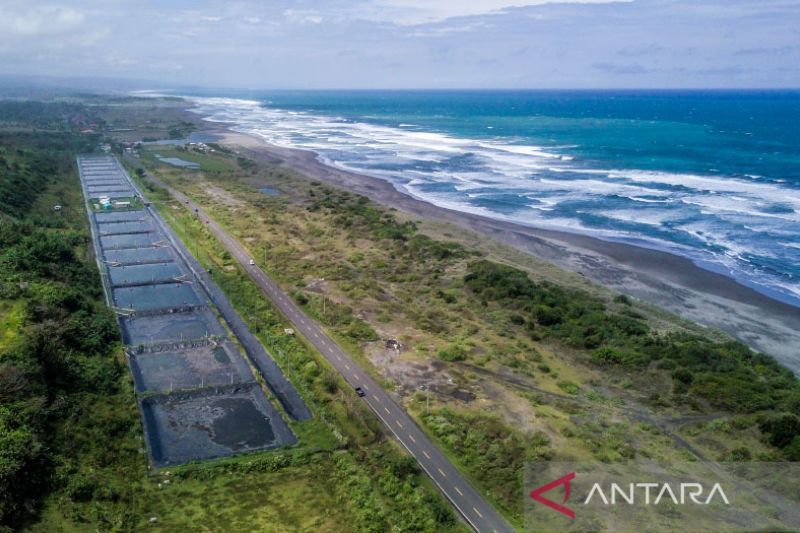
x: 666, y: 280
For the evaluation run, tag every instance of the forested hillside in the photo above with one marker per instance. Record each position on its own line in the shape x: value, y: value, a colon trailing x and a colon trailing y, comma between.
x: 57, y: 339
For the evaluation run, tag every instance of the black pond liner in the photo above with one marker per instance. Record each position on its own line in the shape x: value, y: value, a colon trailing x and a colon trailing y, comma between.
x: 170, y: 328
x: 196, y: 367
x: 210, y: 423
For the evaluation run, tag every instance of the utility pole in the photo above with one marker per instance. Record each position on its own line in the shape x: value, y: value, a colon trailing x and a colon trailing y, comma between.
x: 427, y: 400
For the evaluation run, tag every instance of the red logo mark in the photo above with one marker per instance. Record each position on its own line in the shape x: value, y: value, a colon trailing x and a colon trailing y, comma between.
x: 536, y: 494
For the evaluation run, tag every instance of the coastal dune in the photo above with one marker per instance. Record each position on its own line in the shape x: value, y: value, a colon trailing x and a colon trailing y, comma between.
x: 668, y: 281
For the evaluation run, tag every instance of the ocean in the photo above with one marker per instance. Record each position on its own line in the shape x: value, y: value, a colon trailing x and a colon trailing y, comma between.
x: 710, y: 175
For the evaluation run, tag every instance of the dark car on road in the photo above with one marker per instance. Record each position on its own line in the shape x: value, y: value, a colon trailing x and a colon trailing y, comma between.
x: 360, y: 392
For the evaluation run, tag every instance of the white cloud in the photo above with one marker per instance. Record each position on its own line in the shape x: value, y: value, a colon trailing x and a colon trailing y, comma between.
x: 422, y: 11
x: 25, y: 21
x: 307, y: 16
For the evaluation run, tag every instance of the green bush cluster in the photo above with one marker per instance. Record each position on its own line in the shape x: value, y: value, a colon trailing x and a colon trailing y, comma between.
x: 783, y: 432
x: 26, y: 165
x: 494, y: 453
x: 62, y: 353
x: 355, y: 212
x: 454, y: 352
x: 338, y: 316
x: 728, y: 375
x: 49, y: 115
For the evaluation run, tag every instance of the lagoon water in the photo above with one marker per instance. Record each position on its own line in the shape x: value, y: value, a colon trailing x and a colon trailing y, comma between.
x: 713, y: 176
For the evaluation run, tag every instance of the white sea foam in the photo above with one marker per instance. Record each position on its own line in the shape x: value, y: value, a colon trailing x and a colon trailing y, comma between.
x: 735, y: 218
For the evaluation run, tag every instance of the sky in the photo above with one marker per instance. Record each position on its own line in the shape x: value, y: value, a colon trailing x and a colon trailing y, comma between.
x: 263, y: 44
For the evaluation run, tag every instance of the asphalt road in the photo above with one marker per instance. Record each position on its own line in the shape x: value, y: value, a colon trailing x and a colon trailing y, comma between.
x: 472, y: 506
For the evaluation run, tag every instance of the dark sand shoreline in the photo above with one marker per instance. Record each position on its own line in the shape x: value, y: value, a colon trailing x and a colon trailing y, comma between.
x: 666, y: 280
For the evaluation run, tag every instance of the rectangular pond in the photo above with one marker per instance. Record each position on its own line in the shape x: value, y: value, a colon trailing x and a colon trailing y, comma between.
x: 96, y: 192
x: 170, y: 328
x: 152, y: 297
x: 143, y: 274
x: 200, y: 367
x: 117, y: 228
x: 122, y: 216
x: 105, y: 182
x: 178, y: 162
x: 131, y: 256
x: 137, y: 240
x: 181, y: 428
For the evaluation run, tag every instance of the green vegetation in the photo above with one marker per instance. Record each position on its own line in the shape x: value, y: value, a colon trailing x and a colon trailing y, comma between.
x: 60, y: 353
x: 492, y: 452
x: 206, y: 161
x: 71, y: 448
x: 27, y: 114
x: 27, y: 164
x: 181, y: 129
x: 377, y: 483
x: 727, y: 375
x: 558, y: 368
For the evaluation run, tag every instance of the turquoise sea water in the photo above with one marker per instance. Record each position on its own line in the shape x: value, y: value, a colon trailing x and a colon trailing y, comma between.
x: 713, y: 176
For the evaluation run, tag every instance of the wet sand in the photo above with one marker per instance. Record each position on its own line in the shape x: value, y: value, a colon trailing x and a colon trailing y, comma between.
x: 669, y: 281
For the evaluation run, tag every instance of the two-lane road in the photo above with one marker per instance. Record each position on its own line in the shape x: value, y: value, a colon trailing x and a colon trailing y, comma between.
x: 472, y: 506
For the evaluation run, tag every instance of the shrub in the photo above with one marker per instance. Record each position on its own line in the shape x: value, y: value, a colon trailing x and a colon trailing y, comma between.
x: 622, y: 299
x: 739, y: 455
x: 607, y: 355
x: 361, y: 331
x: 781, y: 429
x: 683, y: 376
x: 568, y: 387
x: 792, y: 450
x: 454, y: 352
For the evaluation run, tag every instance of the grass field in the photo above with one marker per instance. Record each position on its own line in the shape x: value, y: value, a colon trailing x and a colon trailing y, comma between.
x: 504, y: 358
x: 72, y: 454
x: 490, y: 392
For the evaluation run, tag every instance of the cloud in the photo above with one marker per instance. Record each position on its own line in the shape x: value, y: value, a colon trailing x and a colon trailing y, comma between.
x: 615, y: 68
x: 765, y: 51
x: 25, y: 21
x: 409, y: 43
x: 640, y: 50
x: 303, y: 16
x: 413, y: 12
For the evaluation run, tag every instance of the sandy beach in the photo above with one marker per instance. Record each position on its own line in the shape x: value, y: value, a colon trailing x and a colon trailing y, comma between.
x: 668, y: 281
